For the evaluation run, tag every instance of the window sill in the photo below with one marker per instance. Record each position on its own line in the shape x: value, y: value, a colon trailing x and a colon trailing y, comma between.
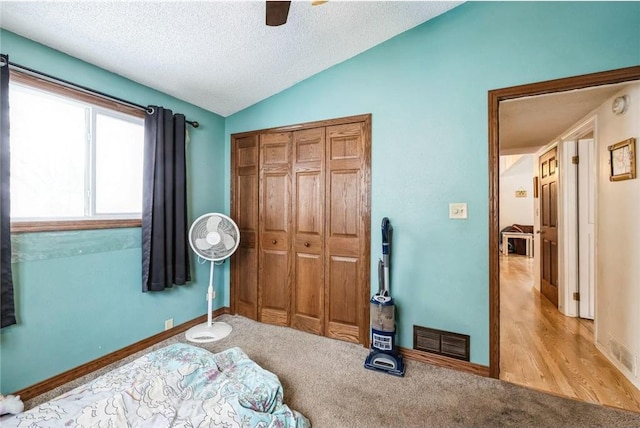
x: 69, y: 225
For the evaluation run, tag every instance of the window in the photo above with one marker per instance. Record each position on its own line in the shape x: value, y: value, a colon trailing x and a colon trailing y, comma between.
x: 74, y: 158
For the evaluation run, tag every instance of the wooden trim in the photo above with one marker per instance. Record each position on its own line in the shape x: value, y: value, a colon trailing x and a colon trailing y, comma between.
x: 234, y: 215
x: 85, y: 97
x: 66, y: 91
x: 495, y: 97
x: 366, y: 251
x: 63, y: 225
x: 446, y: 362
x: 494, y: 243
x: 602, y: 78
x: 307, y: 125
x: 53, y: 382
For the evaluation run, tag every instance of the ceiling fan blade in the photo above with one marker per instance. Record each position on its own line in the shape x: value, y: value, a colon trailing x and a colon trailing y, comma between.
x: 277, y: 12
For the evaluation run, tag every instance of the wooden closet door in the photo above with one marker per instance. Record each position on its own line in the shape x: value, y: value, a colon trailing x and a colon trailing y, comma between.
x: 275, y: 217
x: 347, y: 206
x: 308, y: 199
x: 245, y: 212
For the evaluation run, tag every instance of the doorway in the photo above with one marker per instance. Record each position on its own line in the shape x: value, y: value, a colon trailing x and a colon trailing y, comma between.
x: 495, y: 98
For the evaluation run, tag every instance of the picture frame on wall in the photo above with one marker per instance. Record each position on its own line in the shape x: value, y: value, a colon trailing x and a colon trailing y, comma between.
x: 622, y: 160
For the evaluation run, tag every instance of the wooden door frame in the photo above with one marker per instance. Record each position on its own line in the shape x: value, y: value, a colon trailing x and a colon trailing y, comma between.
x: 495, y: 97
x: 365, y: 292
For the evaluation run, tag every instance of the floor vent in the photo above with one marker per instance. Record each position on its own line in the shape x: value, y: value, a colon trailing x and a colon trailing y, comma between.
x: 622, y: 354
x: 440, y: 342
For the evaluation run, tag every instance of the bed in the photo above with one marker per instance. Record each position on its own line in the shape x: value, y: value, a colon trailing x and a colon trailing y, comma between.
x: 177, y: 386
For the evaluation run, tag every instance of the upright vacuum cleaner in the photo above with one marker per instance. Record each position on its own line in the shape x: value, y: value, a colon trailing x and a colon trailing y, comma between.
x: 384, y: 356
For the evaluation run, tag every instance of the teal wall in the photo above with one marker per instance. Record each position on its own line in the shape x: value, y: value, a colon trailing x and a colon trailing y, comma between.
x: 78, y: 294
x: 427, y: 91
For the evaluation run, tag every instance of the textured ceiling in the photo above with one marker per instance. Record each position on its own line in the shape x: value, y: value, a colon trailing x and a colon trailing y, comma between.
x: 217, y: 55
x: 527, y: 124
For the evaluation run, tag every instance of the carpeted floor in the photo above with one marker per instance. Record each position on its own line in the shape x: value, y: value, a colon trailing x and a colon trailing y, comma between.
x: 325, y: 380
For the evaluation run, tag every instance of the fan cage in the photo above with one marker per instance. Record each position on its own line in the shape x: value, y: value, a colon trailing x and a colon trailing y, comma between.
x: 219, y: 251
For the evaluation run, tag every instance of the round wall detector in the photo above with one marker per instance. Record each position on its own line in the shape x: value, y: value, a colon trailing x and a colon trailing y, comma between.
x: 620, y: 104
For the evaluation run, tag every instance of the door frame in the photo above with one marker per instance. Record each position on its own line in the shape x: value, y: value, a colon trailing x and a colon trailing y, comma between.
x: 494, y: 98
x: 569, y: 213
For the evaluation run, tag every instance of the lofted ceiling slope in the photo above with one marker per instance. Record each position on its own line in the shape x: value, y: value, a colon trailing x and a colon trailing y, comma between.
x: 218, y: 55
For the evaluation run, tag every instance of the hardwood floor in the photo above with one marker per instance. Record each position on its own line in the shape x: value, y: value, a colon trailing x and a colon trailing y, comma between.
x: 542, y: 349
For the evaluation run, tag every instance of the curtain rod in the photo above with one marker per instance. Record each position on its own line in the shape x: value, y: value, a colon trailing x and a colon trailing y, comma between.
x: 28, y: 70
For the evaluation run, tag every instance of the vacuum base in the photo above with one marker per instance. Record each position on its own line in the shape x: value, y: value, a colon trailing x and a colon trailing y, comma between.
x: 384, y: 362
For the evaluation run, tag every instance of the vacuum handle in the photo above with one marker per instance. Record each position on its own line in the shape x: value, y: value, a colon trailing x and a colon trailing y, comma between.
x: 381, y: 286
x: 387, y: 232
x: 386, y: 236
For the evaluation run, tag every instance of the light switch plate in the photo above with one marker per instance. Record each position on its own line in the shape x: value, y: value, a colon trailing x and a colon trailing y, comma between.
x: 458, y: 210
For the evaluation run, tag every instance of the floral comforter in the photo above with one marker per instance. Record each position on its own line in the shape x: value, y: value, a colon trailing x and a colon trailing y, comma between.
x: 177, y: 386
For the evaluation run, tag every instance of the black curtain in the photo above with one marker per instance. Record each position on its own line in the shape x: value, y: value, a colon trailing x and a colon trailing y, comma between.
x: 7, y: 309
x: 165, y: 256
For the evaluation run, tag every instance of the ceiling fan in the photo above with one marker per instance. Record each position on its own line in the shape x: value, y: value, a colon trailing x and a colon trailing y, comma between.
x: 278, y: 11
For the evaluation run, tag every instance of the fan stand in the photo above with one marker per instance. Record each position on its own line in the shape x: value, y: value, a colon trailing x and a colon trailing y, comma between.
x: 209, y: 331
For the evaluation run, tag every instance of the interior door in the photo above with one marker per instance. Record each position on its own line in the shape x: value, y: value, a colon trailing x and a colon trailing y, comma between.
x: 548, y: 169
x: 275, y: 215
x: 308, y: 227
x: 586, y: 226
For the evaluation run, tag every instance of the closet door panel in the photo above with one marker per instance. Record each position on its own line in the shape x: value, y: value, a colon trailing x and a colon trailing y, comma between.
x: 308, y: 220
x: 343, y: 225
x: 309, y: 203
x: 275, y: 272
x: 247, y: 186
x: 244, y: 210
x: 308, y: 293
x: 346, y: 203
x: 275, y: 202
x: 343, y: 299
x: 345, y: 209
x: 274, y: 279
x: 247, y: 295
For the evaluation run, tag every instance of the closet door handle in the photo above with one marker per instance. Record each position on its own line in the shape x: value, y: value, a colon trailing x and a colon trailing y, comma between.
x: 274, y: 242
x: 306, y: 244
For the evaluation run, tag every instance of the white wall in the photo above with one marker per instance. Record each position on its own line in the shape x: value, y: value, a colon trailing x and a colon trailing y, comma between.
x: 617, y: 314
x: 516, y: 172
x: 618, y: 239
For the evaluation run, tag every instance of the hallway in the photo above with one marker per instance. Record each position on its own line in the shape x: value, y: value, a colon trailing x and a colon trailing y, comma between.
x: 544, y: 350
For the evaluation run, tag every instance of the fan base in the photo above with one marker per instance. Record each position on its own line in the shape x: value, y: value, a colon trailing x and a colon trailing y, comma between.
x: 204, y: 333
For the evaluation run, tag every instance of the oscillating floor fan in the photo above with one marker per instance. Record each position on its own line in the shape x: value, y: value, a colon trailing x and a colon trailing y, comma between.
x: 213, y: 237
